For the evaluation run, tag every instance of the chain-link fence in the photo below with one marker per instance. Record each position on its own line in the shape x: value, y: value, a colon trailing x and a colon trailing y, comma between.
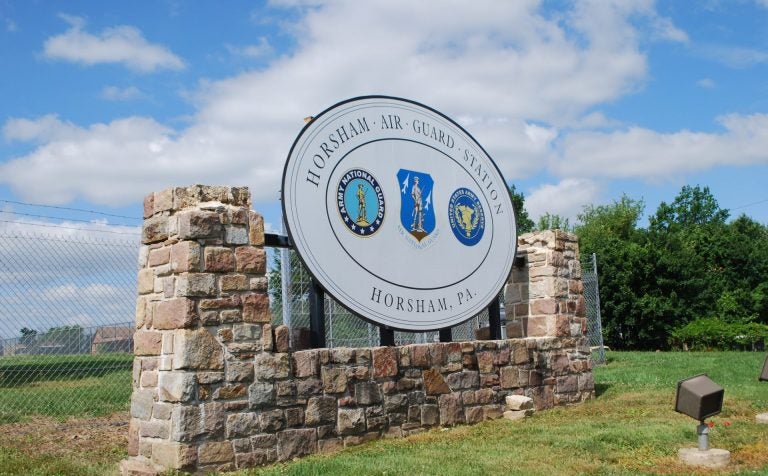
x: 589, y: 278
x: 344, y: 329
x: 67, y: 320
x: 67, y: 307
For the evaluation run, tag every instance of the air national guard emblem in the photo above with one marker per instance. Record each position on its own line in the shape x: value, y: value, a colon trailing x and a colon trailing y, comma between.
x: 361, y: 202
x: 416, y: 212
x: 466, y: 216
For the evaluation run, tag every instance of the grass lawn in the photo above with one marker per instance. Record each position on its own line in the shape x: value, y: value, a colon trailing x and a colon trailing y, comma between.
x: 630, y: 428
x: 64, y: 386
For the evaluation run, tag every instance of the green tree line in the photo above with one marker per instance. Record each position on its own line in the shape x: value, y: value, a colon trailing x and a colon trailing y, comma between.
x: 691, y: 278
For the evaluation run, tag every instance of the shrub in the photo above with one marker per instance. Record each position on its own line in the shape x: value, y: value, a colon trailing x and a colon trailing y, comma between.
x: 716, y: 334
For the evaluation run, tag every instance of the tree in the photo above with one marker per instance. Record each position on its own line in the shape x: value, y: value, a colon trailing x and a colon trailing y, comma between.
x: 611, y: 232
x: 522, y: 220
x: 28, y: 336
x: 550, y: 221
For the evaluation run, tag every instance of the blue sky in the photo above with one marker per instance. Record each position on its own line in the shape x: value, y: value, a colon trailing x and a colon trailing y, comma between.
x: 577, y: 102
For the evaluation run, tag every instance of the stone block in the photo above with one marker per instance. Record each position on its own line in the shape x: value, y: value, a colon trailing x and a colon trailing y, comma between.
x: 141, y: 403
x: 515, y: 415
x: 242, y: 425
x: 214, y: 418
x: 384, y: 362
x: 296, y: 442
x: 241, y: 332
x: 196, y: 284
x: 233, y: 282
x: 173, y: 455
x: 251, y: 260
x: 186, y: 423
x: 321, y: 409
x: 238, y: 371
x: 420, y: 355
x: 261, y: 395
x: 219, y: 259
x: 197, y: 349
x: 271, y: 421
x: 334, y: 379
x: 350, y: 421
x: 514, y: 329
x: 255, y: 229
x: 264, y: 441
x: 485, y: 362
x: 434, y: 383
x: 229, y: 392
x: 147, y: 342
x: 136, y: 467
x: 255, y: 458
x: 215, y: 452
x: 256, y: 308
x: 185, y: 257
x: 330, y: 445
x: 159, y: 256
x: 174, y: 314
x: 518, y: 402
x: 430, y: 415
x: 508, y: 377
x: 236, y: 235
x: 451, y: 409
x: 155, y: 230
x: 567, y: 384
x: 176, y: 386
x: 367, y: 393
x: 146, y: 281
x: 305, y: 363
x: 149, y: 205
x: 294, y: 417
x: 282, y: 339
x: 268, y: 366
x: 198, y: 224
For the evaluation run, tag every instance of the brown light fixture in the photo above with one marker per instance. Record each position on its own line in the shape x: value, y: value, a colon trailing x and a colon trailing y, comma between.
x: 699, y: 398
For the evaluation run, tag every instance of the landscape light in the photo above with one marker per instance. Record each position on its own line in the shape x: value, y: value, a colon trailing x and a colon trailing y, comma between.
x: 764, y: 375
x: 699, y: 398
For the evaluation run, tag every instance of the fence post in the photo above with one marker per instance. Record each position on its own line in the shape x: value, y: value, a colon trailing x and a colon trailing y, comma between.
x: 386, y: 336
x: 317, y: 315
x: 494, y: 319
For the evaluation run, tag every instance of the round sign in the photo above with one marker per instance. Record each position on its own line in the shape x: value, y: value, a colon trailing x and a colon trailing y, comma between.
x: 398, y: 213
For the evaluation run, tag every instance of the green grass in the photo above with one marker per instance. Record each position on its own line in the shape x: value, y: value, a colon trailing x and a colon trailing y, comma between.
x: 629, y: 429
x: 64, y: 386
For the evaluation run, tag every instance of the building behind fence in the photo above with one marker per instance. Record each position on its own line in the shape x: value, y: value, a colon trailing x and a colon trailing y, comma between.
x: 65, y: 301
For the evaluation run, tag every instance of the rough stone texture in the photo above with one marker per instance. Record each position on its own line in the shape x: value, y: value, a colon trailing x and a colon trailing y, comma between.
x: 198, y: 350
x: 216, y: 387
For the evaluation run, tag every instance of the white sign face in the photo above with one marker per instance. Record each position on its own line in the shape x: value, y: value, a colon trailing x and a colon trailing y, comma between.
x: 399, y: 213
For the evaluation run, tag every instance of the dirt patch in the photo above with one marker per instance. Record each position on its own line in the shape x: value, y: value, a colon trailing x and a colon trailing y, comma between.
x: 97, y: 439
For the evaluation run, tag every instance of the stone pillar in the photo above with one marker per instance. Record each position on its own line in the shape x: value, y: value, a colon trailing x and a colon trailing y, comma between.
x: 201, y: 315
x: 545, y: 298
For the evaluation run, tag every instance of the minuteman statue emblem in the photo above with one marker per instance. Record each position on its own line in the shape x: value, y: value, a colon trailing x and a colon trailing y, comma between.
x: 417, y: 215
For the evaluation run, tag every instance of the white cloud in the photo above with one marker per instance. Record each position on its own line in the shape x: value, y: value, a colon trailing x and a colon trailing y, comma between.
x: 647, y: 154
x: 114, y: 93
x: 121, y: 44
x: 259, y: 50
x: 706, y: 83
x: 511, y: 72
x: 735, y: 56
x: 566, y: 198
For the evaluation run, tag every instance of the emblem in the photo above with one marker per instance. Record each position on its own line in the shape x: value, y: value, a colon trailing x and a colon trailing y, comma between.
x: 466, y: 216
x: 360, y: 201
x: 416, y: 212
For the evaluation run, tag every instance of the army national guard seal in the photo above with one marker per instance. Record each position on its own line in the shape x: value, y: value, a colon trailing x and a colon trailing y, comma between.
x: 398, y: 213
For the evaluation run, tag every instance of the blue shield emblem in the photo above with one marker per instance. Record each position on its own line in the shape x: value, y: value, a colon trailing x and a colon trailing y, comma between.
x: 417, y: 215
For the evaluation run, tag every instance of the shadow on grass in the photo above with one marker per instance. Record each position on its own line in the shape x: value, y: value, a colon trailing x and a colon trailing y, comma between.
x: 601, y: 388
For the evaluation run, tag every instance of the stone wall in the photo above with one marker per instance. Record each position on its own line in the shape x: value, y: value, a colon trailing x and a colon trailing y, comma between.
x: 216, y: 387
